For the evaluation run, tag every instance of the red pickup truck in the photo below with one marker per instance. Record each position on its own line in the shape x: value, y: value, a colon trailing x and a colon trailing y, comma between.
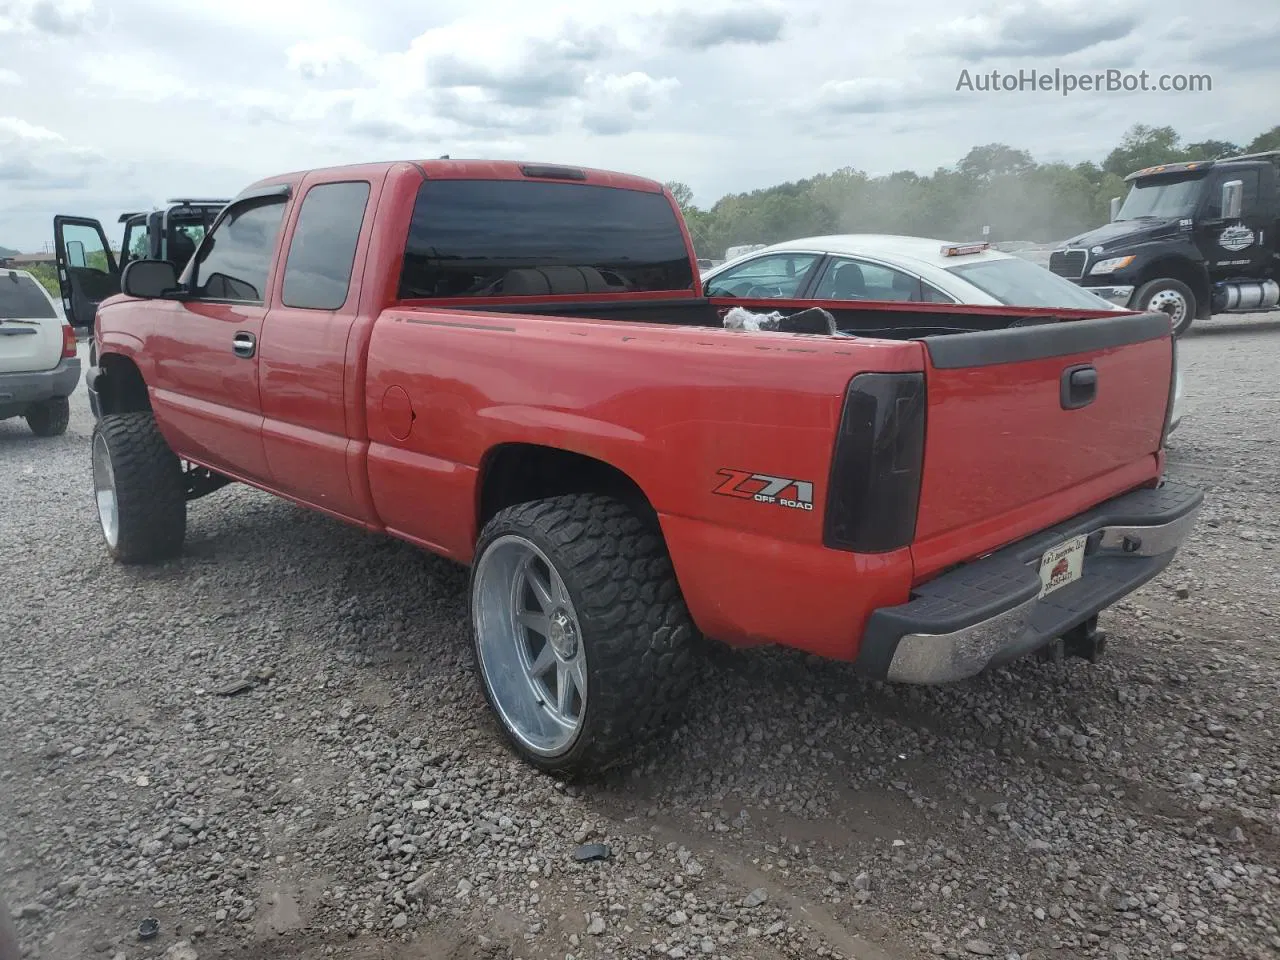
x: 512, y: 365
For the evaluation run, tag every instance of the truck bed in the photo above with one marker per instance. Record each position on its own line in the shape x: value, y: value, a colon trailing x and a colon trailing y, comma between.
x: 887, y: 320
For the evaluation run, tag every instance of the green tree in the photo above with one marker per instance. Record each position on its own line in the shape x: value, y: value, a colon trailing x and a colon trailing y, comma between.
x: 1144, y: 146
x: 994, y: 160
x: 683, y: 194
x: 1211, y: 149
x: 1264, y: 142
x: 994, y: 185
x: 47, y: 274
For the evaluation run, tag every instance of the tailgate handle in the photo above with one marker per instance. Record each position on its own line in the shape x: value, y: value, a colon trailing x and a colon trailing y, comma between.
x: 1079, y: 386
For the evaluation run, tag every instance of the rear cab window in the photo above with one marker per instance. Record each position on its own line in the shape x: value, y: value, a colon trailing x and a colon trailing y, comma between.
x: 522, y: 238
x: 22, y: 298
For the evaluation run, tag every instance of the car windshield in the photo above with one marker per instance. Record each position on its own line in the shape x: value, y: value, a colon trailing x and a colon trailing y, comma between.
x: 1020, y: 283
x: 22, y: 298
x: 1162, y: 198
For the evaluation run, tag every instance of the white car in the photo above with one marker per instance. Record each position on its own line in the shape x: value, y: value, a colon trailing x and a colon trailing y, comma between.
x: 39, y: 369
x: 884, y: 267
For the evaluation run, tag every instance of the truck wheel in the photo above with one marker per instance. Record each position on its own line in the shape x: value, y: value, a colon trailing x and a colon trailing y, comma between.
x: 581, y: 638
x: 49, y: 418
x: 139, y: 489
x: 1169, y: 296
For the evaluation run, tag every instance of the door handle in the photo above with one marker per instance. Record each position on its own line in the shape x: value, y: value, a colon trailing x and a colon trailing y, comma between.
x: 1079, y: 386
x: 244, y: 344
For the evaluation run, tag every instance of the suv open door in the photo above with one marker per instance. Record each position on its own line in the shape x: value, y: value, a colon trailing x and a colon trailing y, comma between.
x: 87, y: 269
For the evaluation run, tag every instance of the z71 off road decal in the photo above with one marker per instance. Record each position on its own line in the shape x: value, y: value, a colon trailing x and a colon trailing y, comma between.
x: 762, y: 488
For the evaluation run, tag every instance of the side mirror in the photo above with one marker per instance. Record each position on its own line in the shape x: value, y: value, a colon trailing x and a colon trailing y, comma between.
x: 1232, y: 199
x: 1115, y: 208
x: 148, y: 279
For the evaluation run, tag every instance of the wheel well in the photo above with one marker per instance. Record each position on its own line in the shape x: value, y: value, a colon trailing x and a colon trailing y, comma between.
x: 120, y: 386
x: 1192, y: 274
x: 519, y: 472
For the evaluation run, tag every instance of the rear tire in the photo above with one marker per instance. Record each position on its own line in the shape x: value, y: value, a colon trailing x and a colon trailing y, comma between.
x: 139, y: 489
x: 49, y: 418
x: 575, y: 593
x: 1167, y: 295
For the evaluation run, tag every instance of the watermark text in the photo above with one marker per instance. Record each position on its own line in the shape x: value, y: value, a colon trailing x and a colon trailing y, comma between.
x: 1066, y: 83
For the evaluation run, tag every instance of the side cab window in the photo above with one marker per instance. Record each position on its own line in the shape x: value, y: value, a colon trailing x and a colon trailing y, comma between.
x: 234, y: 262
x: 774, y: 276
x: 322, y: 247
x: 1249, y: 199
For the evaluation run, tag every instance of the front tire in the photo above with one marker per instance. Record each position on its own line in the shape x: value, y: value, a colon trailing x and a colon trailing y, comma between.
x: 49, y: 418
x: 581, y: 639
x: 139, y: 489
x: 1170, y: 296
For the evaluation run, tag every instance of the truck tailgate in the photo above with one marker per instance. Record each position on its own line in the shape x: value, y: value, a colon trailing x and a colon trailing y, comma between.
x: 1029, y: 425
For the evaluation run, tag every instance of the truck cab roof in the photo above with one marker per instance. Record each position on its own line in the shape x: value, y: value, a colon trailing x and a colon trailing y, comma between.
x: 1202, y: 166
x: 449, y: 169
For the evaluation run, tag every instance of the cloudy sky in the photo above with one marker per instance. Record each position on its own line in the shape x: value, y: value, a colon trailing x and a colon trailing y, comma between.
x: 107, y: 105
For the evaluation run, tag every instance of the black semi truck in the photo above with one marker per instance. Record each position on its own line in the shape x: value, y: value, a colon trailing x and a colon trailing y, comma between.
x: 1191, y: 239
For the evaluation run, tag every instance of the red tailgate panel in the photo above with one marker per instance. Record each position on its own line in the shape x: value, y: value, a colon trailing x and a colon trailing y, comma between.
x: 998, y: 439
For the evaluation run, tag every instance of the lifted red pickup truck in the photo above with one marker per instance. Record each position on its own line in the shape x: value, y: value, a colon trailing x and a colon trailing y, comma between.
x: 513, y: 365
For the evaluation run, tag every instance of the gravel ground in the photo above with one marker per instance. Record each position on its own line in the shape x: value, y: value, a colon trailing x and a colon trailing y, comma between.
x: 353, y: 799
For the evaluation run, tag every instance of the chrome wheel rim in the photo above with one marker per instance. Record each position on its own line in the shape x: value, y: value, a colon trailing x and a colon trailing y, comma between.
x: 104, y: 491
x: 530, y: 645
x: 1171, y: 302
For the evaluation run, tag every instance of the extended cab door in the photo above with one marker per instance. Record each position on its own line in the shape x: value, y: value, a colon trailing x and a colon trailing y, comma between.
x: 87, y: 270
x: 311, y: 352
x: 205, y: 344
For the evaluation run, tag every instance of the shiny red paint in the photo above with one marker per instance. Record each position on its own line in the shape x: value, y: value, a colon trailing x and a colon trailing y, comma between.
x: 205, y: 398
x: 1027, y: 450
x: 302, y: 361
x: 387, y: 415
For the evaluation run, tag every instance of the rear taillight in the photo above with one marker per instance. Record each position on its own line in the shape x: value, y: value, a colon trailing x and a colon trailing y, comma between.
x: 874, y: 487
x: 68, y: 341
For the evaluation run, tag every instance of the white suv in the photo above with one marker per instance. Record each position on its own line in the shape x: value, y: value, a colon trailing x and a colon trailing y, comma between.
x: 39, y: 369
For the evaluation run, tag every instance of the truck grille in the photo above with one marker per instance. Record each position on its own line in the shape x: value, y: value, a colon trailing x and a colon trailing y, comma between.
x: 1067, y: 263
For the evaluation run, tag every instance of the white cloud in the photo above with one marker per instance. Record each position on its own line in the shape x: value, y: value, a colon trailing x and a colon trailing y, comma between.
x: 58, y: 17
x: 15, y: 129
x: 9, y: 78
x: 478, y: 76
x: 616, y: 103
x: 314, y: 59
x: 872, y: 95
x: 128, y: 77
x: 1032, y: 28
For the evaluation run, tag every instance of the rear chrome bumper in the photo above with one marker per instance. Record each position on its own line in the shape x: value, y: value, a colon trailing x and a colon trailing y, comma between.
x: 988, y: 612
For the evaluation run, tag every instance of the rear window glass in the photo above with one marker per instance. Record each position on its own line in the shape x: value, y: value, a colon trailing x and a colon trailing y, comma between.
x: 495, y: 238
x: 1020, y: 283
x: 23, y: 298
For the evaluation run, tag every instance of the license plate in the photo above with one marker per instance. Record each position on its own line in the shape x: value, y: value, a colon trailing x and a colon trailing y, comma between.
x: 1062, y: 565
